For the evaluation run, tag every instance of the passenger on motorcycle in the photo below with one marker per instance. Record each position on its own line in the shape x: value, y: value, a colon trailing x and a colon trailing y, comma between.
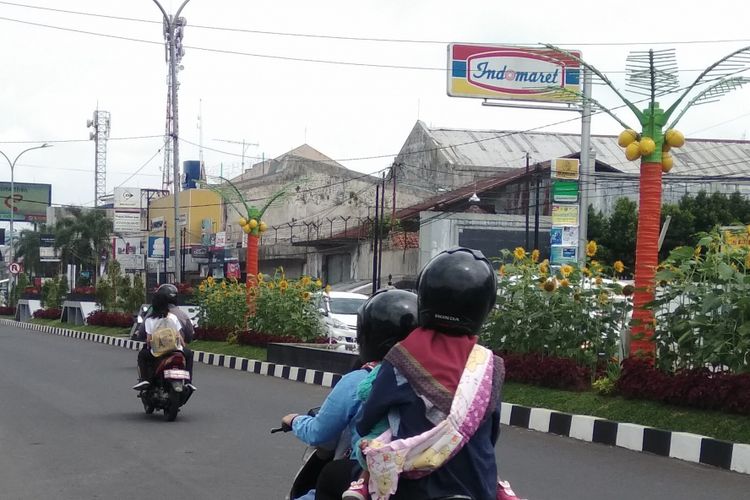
x: 450, y: 450
x: 386, y: 317
x: 163, y: 305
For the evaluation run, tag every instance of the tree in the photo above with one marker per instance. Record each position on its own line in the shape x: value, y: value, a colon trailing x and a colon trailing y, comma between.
x: 27, y: 246
x: 621, y: 233
x: 83, y: 237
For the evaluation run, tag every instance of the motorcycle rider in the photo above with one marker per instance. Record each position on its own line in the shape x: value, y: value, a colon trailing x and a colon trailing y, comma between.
x: 163, y: 304
x: 384, y: 319
x: 416, y: 385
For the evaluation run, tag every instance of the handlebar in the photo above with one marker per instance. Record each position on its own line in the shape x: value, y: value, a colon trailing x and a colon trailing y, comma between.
x: 283, y: 428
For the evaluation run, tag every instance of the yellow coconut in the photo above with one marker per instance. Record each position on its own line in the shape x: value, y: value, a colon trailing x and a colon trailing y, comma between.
x: 647, y: 146
x: 252, y: 224
x: 262, y: 227
x: 246, y: 229
x: 242, y: 221
x: 667, y: 162
x: 626, y: 137
x: 674, y: 138
x: 633, y: 151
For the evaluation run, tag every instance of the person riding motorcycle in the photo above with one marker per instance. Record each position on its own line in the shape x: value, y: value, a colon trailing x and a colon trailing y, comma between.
x: 163, y: 304
x: 384, y: 319
x: 416, y: 385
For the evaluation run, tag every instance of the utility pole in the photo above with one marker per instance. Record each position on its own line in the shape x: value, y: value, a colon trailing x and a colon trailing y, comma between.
x: 173, y: 30
x: 528, y: 195
x: 586, y: 170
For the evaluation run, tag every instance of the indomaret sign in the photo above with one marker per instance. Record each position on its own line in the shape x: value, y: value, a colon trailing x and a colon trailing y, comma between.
x: 512, y: 73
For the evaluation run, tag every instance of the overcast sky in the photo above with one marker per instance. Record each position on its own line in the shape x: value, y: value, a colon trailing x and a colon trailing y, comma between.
x: 52, y: 80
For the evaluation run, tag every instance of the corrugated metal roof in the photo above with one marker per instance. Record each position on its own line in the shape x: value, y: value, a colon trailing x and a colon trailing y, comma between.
x: 507, y: 149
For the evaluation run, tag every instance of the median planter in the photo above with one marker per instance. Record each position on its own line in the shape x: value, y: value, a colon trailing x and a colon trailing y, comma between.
x: 334, y: 358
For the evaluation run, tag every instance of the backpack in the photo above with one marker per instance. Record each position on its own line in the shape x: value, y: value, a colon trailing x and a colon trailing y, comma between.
x: 165, y: 338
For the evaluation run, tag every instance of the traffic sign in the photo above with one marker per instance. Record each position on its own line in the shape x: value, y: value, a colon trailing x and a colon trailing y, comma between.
x: 15, y: 268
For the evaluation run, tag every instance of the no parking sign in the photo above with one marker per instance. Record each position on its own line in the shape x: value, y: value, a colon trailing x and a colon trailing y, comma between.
x: 15, y: 268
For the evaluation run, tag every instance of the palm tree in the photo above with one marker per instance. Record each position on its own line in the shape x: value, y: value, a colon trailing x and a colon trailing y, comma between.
x: 27, y: 246
x: 83, y: 237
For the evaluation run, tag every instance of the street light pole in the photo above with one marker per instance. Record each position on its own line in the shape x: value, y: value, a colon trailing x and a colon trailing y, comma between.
x: 170, y: 24
x: 12, y: 201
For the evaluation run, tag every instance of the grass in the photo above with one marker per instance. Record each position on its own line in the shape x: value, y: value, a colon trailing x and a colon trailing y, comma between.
x: 725, y: 426
x: 217, y: 347
x: 102, y: 330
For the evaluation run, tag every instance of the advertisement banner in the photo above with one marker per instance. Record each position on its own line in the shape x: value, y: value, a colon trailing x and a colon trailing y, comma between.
x: 127, y: 251
x: 31, y: 201
x: 127, y: 222
x: 233, y: 270
x: 564, y: 215
x: 221, y: 239
x: 564, y: 191
x: 512, y: 73
x: 567, y: 236
x: 47, y: 252
x: 563, y: 255
x: 157, y: 247
x: 128, y: 198
x: 158, y: 224
x: 565, y: 169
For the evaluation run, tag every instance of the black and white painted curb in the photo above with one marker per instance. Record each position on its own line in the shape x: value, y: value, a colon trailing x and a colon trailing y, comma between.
x: 680, y: 445
x: 308, y: 376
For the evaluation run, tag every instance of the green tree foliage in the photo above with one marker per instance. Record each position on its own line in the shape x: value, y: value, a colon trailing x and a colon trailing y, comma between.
x: 117, y: 292
x: 83, y: 237
x: 615, y: 234
x: 27, y: 247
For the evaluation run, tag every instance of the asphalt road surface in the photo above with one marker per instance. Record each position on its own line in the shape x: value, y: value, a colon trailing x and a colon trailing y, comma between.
x: 71, y: 428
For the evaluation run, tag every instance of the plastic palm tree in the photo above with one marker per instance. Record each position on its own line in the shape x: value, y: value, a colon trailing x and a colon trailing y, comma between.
x: 252, y: 225
x: 654, y: 74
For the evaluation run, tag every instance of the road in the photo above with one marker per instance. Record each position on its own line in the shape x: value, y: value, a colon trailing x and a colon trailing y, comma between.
x: 71, y: 428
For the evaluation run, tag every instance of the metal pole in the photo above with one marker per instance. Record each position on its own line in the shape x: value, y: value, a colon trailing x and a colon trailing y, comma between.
x: 175, y: 128
x: 381, y: 229
x: 12, y: 200
x: 528, y: 195
x: 536, y: 207
x: 586, y: 170
x: 375, y: 242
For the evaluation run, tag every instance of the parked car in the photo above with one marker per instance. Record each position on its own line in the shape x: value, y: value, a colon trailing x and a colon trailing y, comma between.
x: 339, y: 313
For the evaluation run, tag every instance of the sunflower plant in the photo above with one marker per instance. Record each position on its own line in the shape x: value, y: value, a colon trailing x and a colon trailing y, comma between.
x: 286, y: 306
x: 566, y: 311
x: 222, y: 304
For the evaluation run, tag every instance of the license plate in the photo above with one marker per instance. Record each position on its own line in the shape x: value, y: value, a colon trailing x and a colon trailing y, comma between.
x: 177, y: 374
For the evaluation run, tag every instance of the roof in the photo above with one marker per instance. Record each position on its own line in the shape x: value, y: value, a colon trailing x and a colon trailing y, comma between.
x: 507, y: 149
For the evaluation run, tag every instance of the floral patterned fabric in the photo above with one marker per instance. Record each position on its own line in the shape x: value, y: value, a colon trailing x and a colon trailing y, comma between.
x: 418, y: 456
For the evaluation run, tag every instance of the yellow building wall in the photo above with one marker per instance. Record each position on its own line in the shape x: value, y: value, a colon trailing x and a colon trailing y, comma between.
x: 196, y: 204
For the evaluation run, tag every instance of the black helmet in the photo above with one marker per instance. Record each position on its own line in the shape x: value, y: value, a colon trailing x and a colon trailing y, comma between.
x: 164, y: 295
x: 457, y: 290
x: 386, y: 318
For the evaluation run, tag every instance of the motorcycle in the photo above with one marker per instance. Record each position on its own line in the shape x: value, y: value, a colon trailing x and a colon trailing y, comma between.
x: 170, y: 387
x: 314, y: 460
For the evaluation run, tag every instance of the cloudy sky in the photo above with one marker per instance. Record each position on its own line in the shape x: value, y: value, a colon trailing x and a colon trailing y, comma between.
x: 266, y: 88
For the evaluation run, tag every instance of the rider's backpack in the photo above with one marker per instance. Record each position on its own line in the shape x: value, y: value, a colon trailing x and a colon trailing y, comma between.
x: 165, y: 337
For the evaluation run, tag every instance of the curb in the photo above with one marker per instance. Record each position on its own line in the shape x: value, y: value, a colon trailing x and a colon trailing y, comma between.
x: 306, y: 375
x: 681, y: 445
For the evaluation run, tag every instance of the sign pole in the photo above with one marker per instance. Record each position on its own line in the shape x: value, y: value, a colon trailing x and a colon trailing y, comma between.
x: 587, y: 170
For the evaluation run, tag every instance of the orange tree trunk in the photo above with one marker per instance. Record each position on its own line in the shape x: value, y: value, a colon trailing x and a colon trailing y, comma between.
x: 646, y: 258
x: 251, y: 267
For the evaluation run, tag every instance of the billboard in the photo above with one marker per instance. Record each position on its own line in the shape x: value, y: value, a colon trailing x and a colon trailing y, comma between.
x: 127, y: 222
x: 158, y: 247
x: 127, y: 251
x: 512, y: 73
x: 31, y: 201
x: 128, y: 198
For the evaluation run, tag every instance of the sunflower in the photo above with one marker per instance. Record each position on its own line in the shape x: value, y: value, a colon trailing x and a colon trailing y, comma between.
x: 544, y: 266
x: 697, y: 252
x: 550, y: 285
x: 565, y: 270
x: 318, y: 283
x: 598, y: 280
x: 501, y: 271
x: 271, y: 285
x: 283, y: 285
x: 306, y: 280
x: 260, y: 277
x: 564, y: 283
x: 619, y: 266
x: 586, y: 271
x: 328, y: 288
x: 603, y: 298
x: 306, y: 296
x: 535, y: 255
x: 591, y: 248
x: 519, y: 253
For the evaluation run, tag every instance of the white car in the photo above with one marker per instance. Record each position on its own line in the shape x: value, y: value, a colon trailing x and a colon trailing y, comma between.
x: 339, y: 312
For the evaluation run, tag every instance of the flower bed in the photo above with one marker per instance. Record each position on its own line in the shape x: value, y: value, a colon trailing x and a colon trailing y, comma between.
x: 545, y: 371
x: 51, y: 313
x: 699, y: 388
x: 7, y: 311
x: 251, y: 337
x: 101, y: 318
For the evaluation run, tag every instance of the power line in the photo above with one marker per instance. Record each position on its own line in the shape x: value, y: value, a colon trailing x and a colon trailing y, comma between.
x: 366, y: 39
x: 60, y: 141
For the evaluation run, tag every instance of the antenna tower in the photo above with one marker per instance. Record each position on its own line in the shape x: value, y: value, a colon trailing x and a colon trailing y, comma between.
x: 100, y: 124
